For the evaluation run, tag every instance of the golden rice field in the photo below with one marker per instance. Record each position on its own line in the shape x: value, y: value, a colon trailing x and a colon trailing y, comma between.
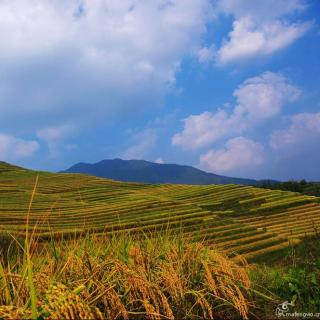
x: 241, y: 219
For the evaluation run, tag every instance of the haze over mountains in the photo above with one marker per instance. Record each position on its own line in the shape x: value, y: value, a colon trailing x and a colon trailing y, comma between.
x: 149, y: 172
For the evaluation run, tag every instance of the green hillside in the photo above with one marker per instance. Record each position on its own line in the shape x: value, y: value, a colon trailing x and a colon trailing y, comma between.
x: 242, y: 219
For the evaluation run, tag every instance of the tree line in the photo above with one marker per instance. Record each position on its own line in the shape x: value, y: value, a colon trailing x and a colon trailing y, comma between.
x: 302, y: 186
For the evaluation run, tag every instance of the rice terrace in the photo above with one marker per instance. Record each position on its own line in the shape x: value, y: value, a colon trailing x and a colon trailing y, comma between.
x: 248, y: 220
x: 98, y: 248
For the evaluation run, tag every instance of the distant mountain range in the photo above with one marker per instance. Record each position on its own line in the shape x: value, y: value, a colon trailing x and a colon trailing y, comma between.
x: 149, y: 172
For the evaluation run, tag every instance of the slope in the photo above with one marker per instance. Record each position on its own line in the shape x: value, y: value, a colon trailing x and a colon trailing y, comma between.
x: 242, y: 219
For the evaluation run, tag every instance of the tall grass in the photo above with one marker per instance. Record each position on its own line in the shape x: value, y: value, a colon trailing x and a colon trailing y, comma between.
x: 28, y: 242
x: 122, y: 276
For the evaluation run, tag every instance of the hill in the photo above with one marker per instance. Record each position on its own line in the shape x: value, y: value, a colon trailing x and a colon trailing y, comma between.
x: 243, y: 219
x: 149, y: 172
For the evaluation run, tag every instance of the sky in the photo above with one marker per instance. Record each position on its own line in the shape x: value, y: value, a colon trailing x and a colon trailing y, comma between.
x: 228, y: 86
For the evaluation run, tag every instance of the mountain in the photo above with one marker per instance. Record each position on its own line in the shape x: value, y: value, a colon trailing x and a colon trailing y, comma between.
x: 149, y: 172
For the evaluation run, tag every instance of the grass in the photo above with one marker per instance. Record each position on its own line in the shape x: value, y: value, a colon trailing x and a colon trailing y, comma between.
x: 86, y: 247
x: 292, y: 275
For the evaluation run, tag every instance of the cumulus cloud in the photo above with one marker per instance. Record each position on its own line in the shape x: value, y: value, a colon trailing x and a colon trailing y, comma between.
x: 89, y: 58
x: 264, y: 96
x: 204, y: 129
x: 142, y: 144
x: 247, y: 39
x: 12, y: 148
x: 304, y: 129
x: 258, y: 99
x: 238, y: 153
x: 260, y: 28
x: 55, y: 136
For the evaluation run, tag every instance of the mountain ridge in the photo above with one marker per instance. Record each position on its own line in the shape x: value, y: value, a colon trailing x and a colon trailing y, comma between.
x: 150, y: 172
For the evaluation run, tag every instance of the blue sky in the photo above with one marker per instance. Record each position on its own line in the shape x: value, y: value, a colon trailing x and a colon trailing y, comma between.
x: 228, y: 86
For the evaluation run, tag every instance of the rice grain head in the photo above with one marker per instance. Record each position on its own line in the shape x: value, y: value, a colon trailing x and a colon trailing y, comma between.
x: 62, y: 303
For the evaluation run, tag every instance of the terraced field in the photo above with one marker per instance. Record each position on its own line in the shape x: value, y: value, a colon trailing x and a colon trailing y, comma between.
x: 242, y: 219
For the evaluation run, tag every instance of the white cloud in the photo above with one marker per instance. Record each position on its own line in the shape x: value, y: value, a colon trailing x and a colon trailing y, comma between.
x: 12, y: 148
x: 71, y: 59
x: 239, y: 153
x: 54, y: 136
x: 264, y: 96
x: 304, y: 129
x: 204, y: 129
x: 259, y: 28
x: 142, y: 143
x: 258, y: 99
x: 159, y: 161
x: 247, y: 39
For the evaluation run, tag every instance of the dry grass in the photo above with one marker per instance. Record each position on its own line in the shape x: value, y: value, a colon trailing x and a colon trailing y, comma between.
x: 123, y: 277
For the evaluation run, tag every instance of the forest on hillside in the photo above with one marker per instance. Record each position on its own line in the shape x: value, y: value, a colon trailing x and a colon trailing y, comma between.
x: 302, y: 186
